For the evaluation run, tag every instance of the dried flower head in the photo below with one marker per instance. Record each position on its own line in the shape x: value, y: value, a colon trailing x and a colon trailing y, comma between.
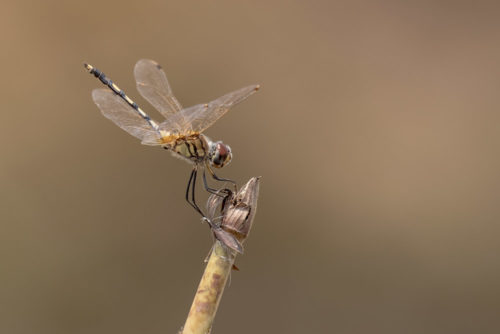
x: 234, y: 214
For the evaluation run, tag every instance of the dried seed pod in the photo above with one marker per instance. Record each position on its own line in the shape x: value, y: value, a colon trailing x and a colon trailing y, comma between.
x: 237, y: 212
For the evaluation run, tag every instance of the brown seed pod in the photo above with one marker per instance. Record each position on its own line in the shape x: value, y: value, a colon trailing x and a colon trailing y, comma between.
x: 236, y: 214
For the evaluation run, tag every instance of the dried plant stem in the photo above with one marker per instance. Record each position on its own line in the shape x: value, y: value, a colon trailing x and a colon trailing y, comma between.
x: 209, y: 293
x: 238, y: 211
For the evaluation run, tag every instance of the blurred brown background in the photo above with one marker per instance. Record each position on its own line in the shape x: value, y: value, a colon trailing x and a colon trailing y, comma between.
x: 376, y: 134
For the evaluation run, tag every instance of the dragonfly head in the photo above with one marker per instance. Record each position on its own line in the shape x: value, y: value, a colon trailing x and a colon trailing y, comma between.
x: 220, y: 154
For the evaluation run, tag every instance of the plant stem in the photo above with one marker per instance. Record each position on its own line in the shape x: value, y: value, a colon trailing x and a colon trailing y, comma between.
x: 238, y: 211
x: 210, y: 289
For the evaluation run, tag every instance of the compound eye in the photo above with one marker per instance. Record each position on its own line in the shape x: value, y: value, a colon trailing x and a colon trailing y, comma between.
x: 222, y: 149
x: 216, y: 159
x: 222, y: 155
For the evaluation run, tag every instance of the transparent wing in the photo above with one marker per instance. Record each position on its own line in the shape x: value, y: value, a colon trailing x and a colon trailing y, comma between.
x: 200, y: 117
x: 178, y: 123
x: 117, y: 110
x: 153, y: 85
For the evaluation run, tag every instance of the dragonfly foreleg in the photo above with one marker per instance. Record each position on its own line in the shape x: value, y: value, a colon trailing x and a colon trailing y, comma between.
x: 221, y: 193
x: 215, y: 177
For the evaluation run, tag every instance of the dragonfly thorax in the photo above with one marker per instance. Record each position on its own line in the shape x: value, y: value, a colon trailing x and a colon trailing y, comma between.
x: 198, y: 148
x: 193, y: 148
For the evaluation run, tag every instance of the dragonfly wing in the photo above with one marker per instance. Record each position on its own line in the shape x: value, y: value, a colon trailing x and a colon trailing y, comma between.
x: 203, y: 116
x: 153, y: 85
x: 178, y: 123
x: 118, y: 111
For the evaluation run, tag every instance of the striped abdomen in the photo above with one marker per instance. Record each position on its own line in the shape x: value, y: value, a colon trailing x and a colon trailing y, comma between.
x: 107, y: 81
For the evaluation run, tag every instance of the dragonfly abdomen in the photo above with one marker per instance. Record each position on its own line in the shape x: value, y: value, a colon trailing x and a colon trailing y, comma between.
x: 106, y: 81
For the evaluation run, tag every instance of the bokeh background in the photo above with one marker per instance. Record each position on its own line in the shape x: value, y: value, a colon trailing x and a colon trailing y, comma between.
x: 376, y: 134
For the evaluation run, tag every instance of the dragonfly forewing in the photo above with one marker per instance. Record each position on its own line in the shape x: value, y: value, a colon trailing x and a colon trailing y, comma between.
x: 203, y: 116
x: 153, y: 85
x: 179, y: 123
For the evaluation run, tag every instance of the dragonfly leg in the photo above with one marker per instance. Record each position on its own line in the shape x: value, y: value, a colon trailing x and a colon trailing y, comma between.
x: 220, y: 193
x: 214, y: 176
x: 192, y: 186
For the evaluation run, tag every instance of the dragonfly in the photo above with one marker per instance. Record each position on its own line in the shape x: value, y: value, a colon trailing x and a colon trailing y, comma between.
x: 181, y: 130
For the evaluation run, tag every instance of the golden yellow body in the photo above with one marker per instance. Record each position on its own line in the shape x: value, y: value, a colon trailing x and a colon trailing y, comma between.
x: 193, y: 146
